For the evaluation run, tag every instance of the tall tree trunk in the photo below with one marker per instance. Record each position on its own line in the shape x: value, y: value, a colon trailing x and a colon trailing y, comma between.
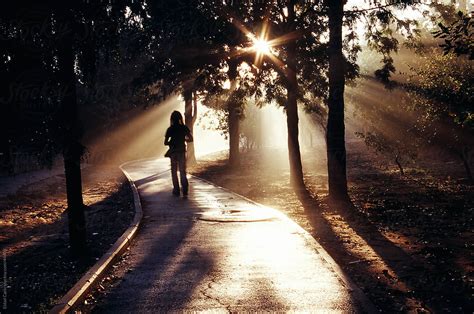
x: 233, y: 118
x: 335, y: 132
x: 294, y: 154
x: 190, y: 115
x: 72, y: 149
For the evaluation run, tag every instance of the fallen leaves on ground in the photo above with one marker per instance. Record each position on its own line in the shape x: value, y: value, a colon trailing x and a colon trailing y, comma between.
x: 33, y: 228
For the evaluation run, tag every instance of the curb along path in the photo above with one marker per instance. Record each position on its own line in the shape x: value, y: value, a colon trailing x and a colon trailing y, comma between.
x: 89, y: 280
x: 219, y: 251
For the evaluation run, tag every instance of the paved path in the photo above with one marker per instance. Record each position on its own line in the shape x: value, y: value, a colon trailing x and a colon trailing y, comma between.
x: 217, y: 251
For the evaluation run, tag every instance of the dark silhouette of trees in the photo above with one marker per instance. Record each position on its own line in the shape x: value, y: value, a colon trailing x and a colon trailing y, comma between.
x: 77, y: 20
x: 335, y: 131
x: 42, y: 93
x: 233, y: 114
x: 61, y: 40
x: 192, y: 48
x: 71, y: 130
x: 296, y: 167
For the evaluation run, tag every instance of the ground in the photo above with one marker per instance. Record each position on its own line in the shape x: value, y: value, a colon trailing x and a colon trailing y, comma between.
x: 33, y: 235
x: 405, y: 240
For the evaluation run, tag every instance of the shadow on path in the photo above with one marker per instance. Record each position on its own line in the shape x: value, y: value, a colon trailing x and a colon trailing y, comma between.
x: 162, y: 274
x: 413, y: 278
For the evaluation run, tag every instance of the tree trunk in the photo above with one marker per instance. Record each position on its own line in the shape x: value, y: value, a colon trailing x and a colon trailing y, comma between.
x: 294, y: 154
x: 233, y: 118
x: 72, y: 149
x: 335, y: 132
x: 190, y: 115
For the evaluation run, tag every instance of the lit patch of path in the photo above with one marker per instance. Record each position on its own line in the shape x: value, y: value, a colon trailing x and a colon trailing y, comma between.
x: 184, y: 260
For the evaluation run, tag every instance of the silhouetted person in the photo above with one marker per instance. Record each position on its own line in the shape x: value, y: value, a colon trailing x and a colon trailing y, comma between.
x: 176, y: 137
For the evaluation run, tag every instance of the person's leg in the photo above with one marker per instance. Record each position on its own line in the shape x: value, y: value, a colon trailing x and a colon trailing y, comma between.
x: 174, y: 174
x: 182, y: 173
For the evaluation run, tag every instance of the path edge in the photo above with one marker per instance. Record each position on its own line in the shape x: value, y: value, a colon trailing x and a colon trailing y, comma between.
x: 361, y: 298
x: 91, y: 278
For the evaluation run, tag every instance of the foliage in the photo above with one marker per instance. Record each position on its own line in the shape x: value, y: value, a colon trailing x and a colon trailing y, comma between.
x: 433, y: 110
x: 31, y: 90
x: 458, y: 35
x: 384, y: 27
x: 436, y: 102
x: 447, y: 82
x: 441, y: 92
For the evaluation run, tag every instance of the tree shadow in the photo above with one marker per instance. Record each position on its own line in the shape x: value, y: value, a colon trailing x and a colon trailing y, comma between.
x: 44, y: 269
x: 420, y: 281
x: 148, y: 179
x: 153, y: 284
x: 168, y: 270
x: 437, y: 284
x: 327, y: 237
x: 435, y: 277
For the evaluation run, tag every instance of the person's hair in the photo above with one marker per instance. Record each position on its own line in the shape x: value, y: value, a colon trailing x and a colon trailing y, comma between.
x: 176, y: 118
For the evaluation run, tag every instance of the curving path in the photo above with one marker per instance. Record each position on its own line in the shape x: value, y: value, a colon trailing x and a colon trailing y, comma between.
x: 217, y: 251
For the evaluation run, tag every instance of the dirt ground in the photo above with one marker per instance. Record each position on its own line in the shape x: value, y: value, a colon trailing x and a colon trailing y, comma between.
x: 34, y: 236
x: 406, y: 241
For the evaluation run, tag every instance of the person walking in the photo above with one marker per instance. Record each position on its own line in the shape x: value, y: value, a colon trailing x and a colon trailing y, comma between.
x: 176, y: 137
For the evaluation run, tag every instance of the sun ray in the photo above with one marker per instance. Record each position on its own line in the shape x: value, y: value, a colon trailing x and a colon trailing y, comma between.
x: 261, y: 45
x: 285, y: 38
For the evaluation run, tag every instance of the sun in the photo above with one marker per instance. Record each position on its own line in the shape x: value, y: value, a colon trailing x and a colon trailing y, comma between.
x: 261, y: 46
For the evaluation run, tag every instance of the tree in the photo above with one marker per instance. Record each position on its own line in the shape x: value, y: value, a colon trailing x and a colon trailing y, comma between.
x: 233, y: 114
x: 378, y: 20
x: 251, y: 128
x: 296, y: 167
x: 299, y: 66
x: 70, y: 125
x: 295, y: 71
x: 290, y: 63
x: 55, y: 91
x: 177, y: 52
x: 335, y: 131
x: 62, y: 37
x: 191, y: 49
x: 77, y: 19
x: 27, y: 89
x: 441, y: 92
x: 433, y: 106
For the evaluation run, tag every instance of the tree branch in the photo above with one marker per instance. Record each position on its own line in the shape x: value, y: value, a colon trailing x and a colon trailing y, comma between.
x: 377, y: 7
